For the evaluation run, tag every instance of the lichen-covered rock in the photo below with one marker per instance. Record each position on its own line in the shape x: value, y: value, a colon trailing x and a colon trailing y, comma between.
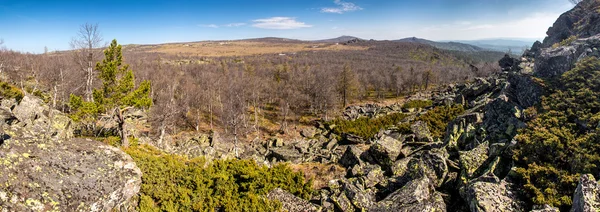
x: 421, y: 131
x: 286, y: 154
x: 555, y: 61
x: 587, y: 195
x: 360, y: 199
x: 489, y: 196
x: 66, y: 175
x: 369, y: 174
x: 471, y: 160
x: 308, y: 132
x: 526, y: 91
x: 342, y: 203
x: 290, y: 202
x: 351, y: 157
x: 417, y: 195
x: 502, y: 119
x: 32, y: 118
x: 434, y: 166
x: 385, y: 151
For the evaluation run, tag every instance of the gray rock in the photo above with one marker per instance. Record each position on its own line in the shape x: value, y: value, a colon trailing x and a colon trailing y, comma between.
x: 526, y: 91
x: 342, y: 203
x: 421, y: 131
x: 286, y: 154
x: 507, y: 63
x: 290, y: 202
x: 472, y: 160
x: 66, y: 175
x: 581, y: 21
x: 587, y: 195
x: 351, y: 157
x: 434, y: 166
x: 360, y: 199
x: 488, y: 196
x: 353, y: 139
x: 385, y: 151
x: 369, y: 174
x: 308, y: 132
x: 554, y: 62
x: 417, y: 195
x: 28, y: 109
x: 544, y: 208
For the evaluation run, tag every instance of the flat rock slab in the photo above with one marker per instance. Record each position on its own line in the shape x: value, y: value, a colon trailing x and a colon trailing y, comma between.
x: 65, y: 175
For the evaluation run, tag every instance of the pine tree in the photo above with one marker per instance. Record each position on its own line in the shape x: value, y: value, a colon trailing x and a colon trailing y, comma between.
x: 118, y: 93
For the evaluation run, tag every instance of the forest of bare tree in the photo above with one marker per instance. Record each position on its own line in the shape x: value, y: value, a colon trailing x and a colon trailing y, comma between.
x: 246, y: 95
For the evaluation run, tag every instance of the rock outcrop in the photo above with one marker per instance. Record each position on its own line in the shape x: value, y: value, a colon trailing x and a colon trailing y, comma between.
x: 587, y: 195
x: 582, y: 21
x: 45, y: 169
x: 290, y: 202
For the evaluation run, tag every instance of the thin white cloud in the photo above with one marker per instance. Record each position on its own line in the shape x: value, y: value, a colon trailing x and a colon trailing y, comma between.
x: 531, y: 26
x: 341, y: 8
x: 234, y: 25
x: 279, y: 23
x: 209, y: 25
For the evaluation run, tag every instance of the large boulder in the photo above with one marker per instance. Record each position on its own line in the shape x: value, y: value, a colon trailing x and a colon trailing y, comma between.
x: 484, y: 196
x: 421, y: 131
x: 582, y: 21
x: 66, y: 175
x: 385, y: 151
x: 472, y: 160
x: 587, y: 195
x: 351, y: 157
x: 526, y: 91
x: 286, y: 154
x: 554, y: 62
x: 507, y: 63
x: 417, y: 195
x: 33, y: 118
x: 290, y: 202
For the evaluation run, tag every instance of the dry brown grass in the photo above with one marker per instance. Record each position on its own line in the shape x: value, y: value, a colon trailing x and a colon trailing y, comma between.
x: 320, y: 173
x: 239, y: 48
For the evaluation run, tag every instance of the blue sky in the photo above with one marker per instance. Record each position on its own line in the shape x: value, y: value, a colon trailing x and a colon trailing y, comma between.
x: 32, y: 25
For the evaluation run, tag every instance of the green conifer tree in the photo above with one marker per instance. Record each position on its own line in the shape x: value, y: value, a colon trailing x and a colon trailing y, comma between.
x: 118, y: 93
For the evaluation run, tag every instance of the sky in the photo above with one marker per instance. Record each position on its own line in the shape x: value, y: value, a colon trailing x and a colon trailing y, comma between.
x: 30, y: 26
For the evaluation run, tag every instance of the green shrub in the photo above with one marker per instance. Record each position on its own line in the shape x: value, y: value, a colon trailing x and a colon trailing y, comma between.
x: 366, y: 127
x: 418, y: 104
x: 175, y: 183
x: 9, y: 91
x: 437, y: 119
x: 562, y: 141
x: 565, y: 42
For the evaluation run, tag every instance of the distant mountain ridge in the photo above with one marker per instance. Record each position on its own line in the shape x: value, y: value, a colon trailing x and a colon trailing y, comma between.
x: 504, y: 45
x: 341, y: 39
x: 454, y: 46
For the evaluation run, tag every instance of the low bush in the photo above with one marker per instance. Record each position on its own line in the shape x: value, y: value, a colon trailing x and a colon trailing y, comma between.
x: 437, y: 119
x: 562, y: 139
x: 176, y: 183
x: 417, y: 104
x: 366, y: 127
x: 10, y: 91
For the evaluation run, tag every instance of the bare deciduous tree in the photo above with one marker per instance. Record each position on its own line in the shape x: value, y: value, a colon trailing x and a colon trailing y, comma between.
x: 86, y: 43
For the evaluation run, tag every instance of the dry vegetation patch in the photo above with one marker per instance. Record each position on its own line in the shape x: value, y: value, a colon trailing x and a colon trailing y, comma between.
x: 320, y: 173
x: 241, y: 48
